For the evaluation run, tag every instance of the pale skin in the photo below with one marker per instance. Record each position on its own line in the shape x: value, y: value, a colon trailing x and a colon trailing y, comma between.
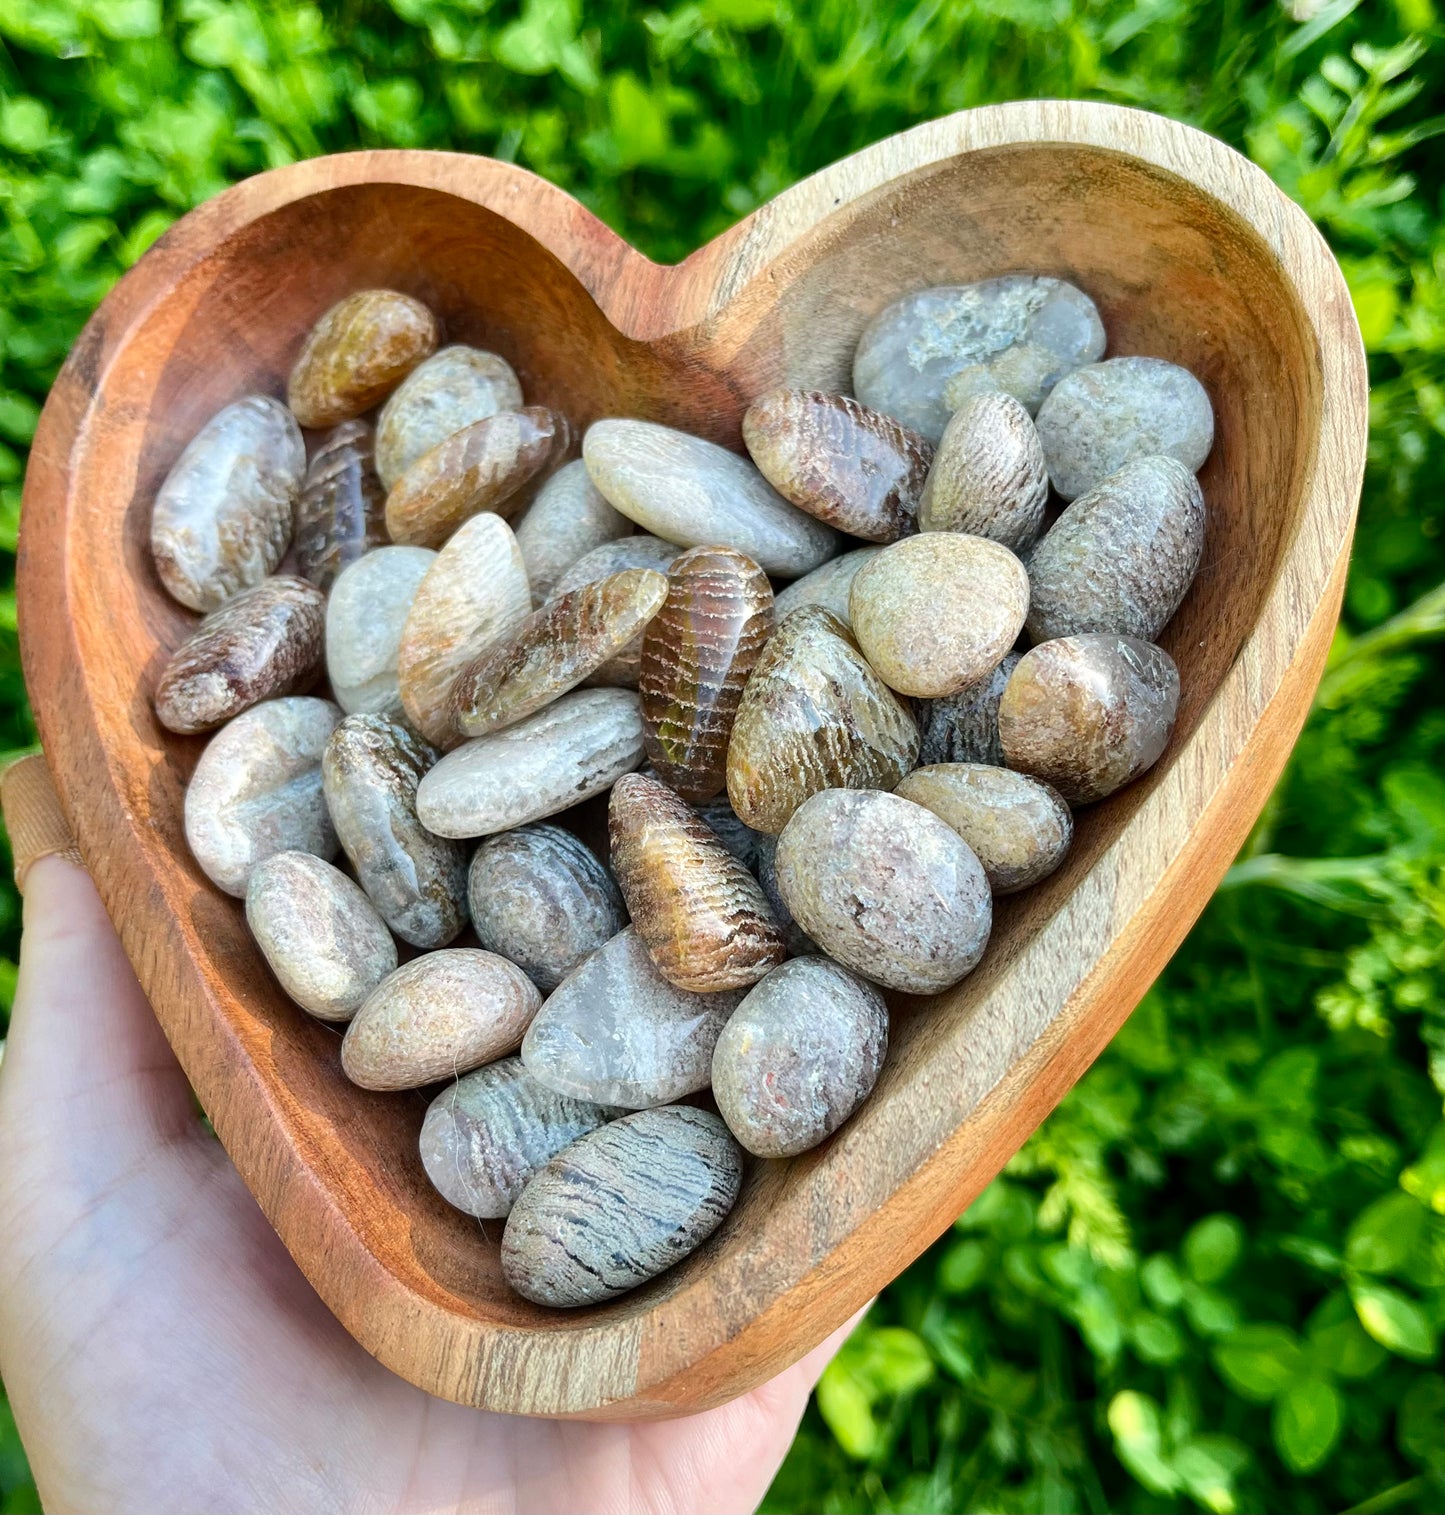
x: 163, y: 1353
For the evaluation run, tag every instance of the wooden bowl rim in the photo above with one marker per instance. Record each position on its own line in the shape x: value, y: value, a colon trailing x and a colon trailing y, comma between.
x: 678, y: 1353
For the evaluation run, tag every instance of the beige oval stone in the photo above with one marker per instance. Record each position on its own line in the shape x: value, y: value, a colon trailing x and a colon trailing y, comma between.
x: 365, y: 616
x: 697, y: 494
x: 473, y: 597
x: 481, y: 467
x: 437, y: 1016
x: 828, y: 586
x: 1019, y: 828
x: 639, y: 551
x: 1088, y: 714
x: 568, y: 517
x: 988, y: 478
x: 453, y: 388
x: 813, y: 716
x: 319, y: 934
x: 885, y: 888
x: 575, y: 748
x: 357, y: 353
x: 256, y: 790
x: 936, y: 613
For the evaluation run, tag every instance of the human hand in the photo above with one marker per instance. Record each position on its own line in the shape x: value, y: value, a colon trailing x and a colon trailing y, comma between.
x: 161, y: 1350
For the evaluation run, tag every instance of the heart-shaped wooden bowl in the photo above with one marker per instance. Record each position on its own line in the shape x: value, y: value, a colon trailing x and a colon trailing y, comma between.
x: 1190, y: 253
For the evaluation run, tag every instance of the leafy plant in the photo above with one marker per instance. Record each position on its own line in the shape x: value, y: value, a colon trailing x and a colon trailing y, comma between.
x: 1215, y: 1278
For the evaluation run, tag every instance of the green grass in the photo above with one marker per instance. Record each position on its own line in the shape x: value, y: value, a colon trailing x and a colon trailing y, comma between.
x: 1215, y: 1279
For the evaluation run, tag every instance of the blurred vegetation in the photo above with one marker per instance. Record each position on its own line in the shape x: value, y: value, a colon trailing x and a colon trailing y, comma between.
x: 1215, y: 1279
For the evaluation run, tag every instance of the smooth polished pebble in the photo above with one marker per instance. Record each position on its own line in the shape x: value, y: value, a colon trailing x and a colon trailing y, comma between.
x: 1101, y: 417
x: 988, y: 478
x: 341, y: 513
x: 357, y: 353
x: 575, y: 748
x: 223, y: 517
x: 1020, y: 334
x: 365, y: 616
x: 440, y: 1015
x: 721, y: 819
x: 473, y: 598
x: 541, y: 898
x: 617, y: 1032
x: 765, y: 867
x: 639, y: 551
x: 697, y: 654
x: 963, y: 727
x: 702, y: 915
x: 319, y: 934
x: 813, y: 716
x: 267, y: 641
x: 1088, y: 714
x: 567, y: 519
x: 453, y: 388
x: 885, y: 888
x: 1019, y: 828
x: 798, y: 1056
x: 857, y: 469
x: 936, y: 613
x: 1122, y: 557
x: 620, y: 1206
x: 485, y: 1136
x: 481, y: 467
x: 554, y: 649
x: 256, y: 790
x: 370, y: 772
x: 828, y: 586
x: 697, y: 494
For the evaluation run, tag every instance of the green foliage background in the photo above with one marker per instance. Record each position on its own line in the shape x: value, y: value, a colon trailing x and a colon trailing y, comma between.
x: 1215, y: 1279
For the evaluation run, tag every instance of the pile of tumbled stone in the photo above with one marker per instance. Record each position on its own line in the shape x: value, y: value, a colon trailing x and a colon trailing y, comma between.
x: 840, y: 773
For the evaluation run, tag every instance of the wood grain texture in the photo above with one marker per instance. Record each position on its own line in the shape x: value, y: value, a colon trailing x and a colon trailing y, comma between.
x: 1188, y: 250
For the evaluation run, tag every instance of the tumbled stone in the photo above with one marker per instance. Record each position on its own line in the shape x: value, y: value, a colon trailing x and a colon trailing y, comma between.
x: 223, y: 517
x: 617, y: 1032
x: 481, y: 467
x: 341, y: 513
x: 886, y: 888
x: 798, y: 1056
x: 256, y: 790
x: 813, y: 716
x: 1101, y: 417
x: 742, y: 841
x: 828, y: 586
x: 989, y: 477
x: 357, y: 353
x: 365, y: 615
x: 697, y: 494
x: 1018, y: 827
x: 554, y: 649
x: 472, y: 599
x: 702, y: 915
x: 963, y: 727
x: 485, y: 1136
x: 1088, y: 714
x: 370, y: 771
x: 855, y: 468
x: 441, y: 1014
x: 1120, y: 558
x: 266, y: 641
x: 453, y: 388
x: 1020, y: 334
x: 640, y: 551
x: 936, y: 613
x: 539, y: 897
x: 318, y: 932
x: 697, y: 654
x: 559, y: 757
x: 620, y: 1206
x: 765, y: 867
x: 567, y: 519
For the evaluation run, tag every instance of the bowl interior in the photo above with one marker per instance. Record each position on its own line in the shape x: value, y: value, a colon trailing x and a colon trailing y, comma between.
x: 1175, y: 274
